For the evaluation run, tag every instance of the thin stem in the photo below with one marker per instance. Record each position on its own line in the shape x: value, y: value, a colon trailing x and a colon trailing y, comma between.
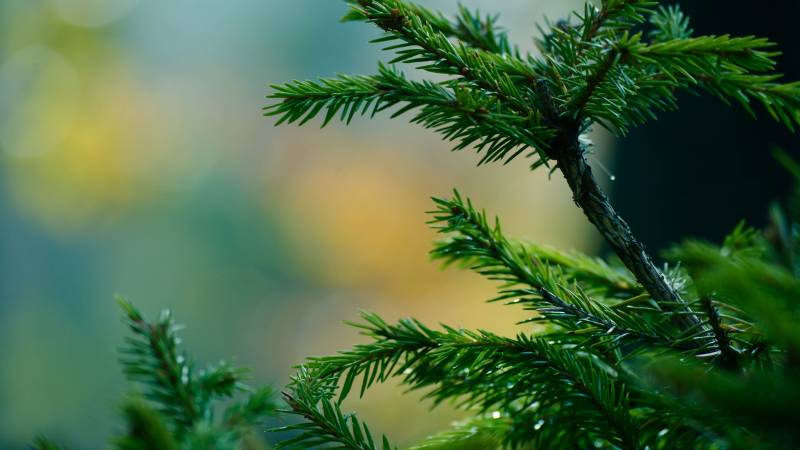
x: 593, y: 81
x: 728, y: 357
x: 313, y: 415
x: 602, y: 17
x: 167, y: 358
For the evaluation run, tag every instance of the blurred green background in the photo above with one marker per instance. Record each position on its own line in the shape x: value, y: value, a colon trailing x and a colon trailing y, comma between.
x: 134, y: 160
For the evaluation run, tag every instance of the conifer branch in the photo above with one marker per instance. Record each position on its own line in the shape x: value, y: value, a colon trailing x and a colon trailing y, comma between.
x: 780, y: 100
x: 467, y: 27
x: 152, y: 357
x: 658, y: 68
x: 483, y: 370
x: 578, y: 385
x: 597, y: 75
x: 704, y: 53
x: 669, y: 23
x: 472, y: 241
x: 749, y: 284
x: 183, y: 397
x: 176, y: 410
x: 481, y: 32
x: 595, y: 205
x: 326, y: 426
x: 419, y: 42
x: 555, y: 286
x: 458, y: 113
x: 613, y: 15
x: 146, y: 430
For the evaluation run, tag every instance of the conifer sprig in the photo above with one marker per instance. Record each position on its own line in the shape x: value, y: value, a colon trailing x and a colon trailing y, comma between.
x: 326, y: 426
x: 182, y: 400
x: 176, y: 409
x: 521, y: 378
x: 469, y: 27
x: 146, y: 429
x: 613, y: 16
x: 478, y: 369
x: 421, y: 37
x: 473, y: 240
x: 598, y: 71
x: 459, y: 114
x: 669, y: 23
x: 705, y: 357
x: 582, y: 295
x: 598, y: 372
x: 152, y: 358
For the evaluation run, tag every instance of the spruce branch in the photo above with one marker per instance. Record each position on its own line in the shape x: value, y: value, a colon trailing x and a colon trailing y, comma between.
x: 780, y: 100
x: 146, y: 429
x: 326, y: 426
x: 152, y: 358
x: 577, y: 385
x: 561, y: 288
x: 704, y: 53
x: 476, y: 242
x: 485, y: 371
x: 597, y: 76
x: 468, y: 27
x: 181, y: 395
x: 177, y: 408
x: 417, y: 41
x: 669, y: 23
x: 482, y: 32
x: 457, y: 112
x: 569, y: 154
x: 598, y: 72
x: 766, y: 291
x: 613, y: 16
x: 597, y: 208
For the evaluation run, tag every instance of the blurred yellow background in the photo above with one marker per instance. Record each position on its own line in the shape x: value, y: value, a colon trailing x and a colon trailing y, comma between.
x: 134, y: 160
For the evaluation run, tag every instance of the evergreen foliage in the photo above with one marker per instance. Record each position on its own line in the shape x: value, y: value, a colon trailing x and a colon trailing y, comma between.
x: 623, y: 355
x: 178, y: 405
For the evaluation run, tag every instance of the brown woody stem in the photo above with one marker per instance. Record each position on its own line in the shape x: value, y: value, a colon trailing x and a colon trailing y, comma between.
x: 595, y: 205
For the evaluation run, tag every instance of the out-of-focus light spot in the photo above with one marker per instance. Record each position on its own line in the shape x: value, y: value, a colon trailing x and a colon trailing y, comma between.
x: 100, y: 167
x: 496, y: 415
x: 39, y: 98
x: 92, y: 13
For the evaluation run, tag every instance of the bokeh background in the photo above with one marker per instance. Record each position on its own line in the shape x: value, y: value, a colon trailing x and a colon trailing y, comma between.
x: 134, y: 160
